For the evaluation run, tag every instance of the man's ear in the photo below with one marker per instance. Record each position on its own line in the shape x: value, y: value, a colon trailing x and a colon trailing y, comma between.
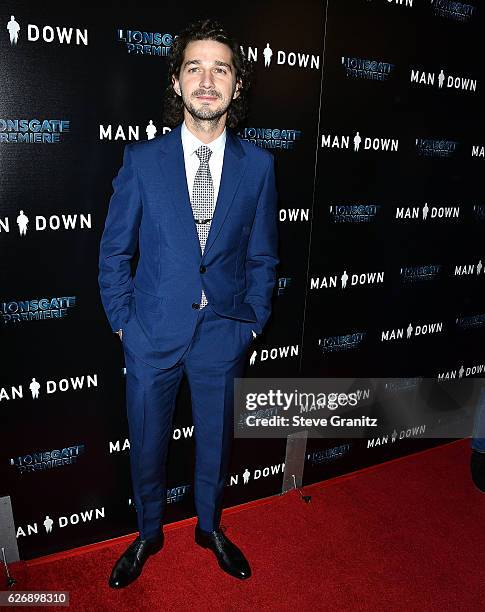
x: 237, y: 91
x: 176, y: 86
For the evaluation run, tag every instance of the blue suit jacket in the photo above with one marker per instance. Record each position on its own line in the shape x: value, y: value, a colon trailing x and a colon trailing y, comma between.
x: 150, y: 208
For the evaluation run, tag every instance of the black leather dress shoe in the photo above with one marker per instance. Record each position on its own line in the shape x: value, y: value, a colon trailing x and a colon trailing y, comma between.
x: 228, y: 555
x: 477, y: 468
x: 129, y: 565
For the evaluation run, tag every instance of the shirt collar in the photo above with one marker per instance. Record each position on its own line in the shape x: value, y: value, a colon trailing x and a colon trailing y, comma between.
x: 191, y: 143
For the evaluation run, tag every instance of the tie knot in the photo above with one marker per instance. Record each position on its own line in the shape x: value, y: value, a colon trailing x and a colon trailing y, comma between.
x: 203, y: 153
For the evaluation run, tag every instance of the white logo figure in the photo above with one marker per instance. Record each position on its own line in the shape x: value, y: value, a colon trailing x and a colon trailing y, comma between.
x: 460, y: 371
x: 34, y: 388
x: 357, y: 141
x: 409, y: 330
x: 246, y: 476
x: 253, y: 358
x: 151, y: 130
x: 425, y: 210
x: 479, y: 266
x: 344, y: 278
x: 13, y: 29
x: 441, y: 78
x: 48, y: 523
x: 22, y: 222
x: 268, y: 54
x: 394, y: 436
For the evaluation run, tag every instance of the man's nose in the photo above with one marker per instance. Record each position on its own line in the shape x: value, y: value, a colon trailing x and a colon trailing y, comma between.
x: 207, y: 79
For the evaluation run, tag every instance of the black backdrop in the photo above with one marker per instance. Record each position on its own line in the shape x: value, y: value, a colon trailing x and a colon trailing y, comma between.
x: 338, y: 68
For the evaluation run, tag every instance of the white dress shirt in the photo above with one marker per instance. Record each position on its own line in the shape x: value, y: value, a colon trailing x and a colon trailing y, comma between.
x: 190, y: 143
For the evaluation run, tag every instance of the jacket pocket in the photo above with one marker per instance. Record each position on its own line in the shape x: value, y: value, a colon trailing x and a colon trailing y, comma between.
x: 147, y: 301
x: 239, y: 297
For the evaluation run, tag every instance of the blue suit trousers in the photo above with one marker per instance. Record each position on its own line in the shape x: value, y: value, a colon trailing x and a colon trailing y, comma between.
x: 215, y: 355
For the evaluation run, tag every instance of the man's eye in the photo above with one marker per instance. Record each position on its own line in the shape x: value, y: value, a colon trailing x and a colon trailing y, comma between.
x: 223, y: 70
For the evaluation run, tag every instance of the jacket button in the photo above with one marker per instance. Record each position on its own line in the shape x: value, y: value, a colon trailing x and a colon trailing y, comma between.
x: 202, y: 269
x: 195, y: 305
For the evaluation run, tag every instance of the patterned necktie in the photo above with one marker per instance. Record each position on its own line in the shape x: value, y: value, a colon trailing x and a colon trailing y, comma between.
x: 203, y: 200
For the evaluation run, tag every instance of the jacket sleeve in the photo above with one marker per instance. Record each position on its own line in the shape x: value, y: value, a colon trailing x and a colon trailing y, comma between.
x: 119, y: 242
x: 262, y: 252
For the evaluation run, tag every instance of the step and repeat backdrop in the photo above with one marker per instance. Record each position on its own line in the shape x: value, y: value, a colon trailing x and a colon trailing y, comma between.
x: 374, y: 112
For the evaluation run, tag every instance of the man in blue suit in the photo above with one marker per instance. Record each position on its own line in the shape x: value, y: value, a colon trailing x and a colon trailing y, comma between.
x: 200, y: 205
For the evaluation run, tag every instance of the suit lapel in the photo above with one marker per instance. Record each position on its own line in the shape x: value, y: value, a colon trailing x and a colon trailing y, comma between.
x: 233, y: 169
x: 172, y: 165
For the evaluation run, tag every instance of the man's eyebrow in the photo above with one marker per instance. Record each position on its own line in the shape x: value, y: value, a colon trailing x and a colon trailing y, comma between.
x: 217, y: 62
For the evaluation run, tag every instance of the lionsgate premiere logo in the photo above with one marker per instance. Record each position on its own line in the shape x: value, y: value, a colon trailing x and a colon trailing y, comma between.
x: 443, y: 80
x: 328, y: 455
x: 411, y: 331
x: 130, y: 132
x: 426, y: 212
x: 39, y: 461
x: 436, y: 147
x: 472, y: 269
x: 62, y: 521
x: 174, y: 494
x: 43, y: 131
x: 344, y: 342
x: 137, y: 42
x: 279, y: 57
x: 41, y: 223
x: 402, y: 384
x: 471, y: 322
x: 271, y: 138
x: 451, y: 9
x: 36, y: 309
x: 353, y: 213
x: 273, y: 410
x: 37, y: 390
x: 346, y: 280
x: 178, y: 493
x: 284, y: 283
x: 411, y: 275
x: 47, y: 33
x: 358, y: 143
x: 364, y: 68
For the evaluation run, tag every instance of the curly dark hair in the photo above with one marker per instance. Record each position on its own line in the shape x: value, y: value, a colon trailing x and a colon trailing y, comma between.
x: 206, y: 29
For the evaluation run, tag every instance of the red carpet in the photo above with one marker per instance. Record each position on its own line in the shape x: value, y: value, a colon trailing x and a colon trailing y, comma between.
x: 406, y: 535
